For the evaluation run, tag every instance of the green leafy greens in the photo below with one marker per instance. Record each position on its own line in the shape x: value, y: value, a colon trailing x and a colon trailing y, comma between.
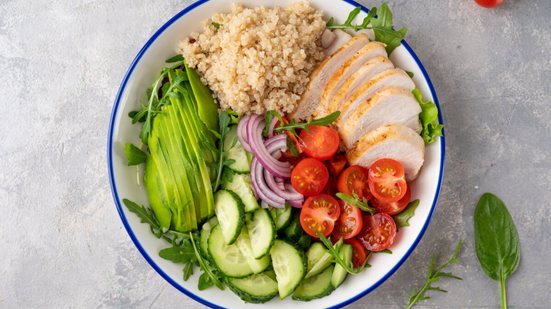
x: 380, y: 20
x: 434, y: 274
x: 292, y: 126
x: 496, y: 241
x: 334, y: 251
x: 355, y: 201
x: 429, y: 118
x: 402, y: 219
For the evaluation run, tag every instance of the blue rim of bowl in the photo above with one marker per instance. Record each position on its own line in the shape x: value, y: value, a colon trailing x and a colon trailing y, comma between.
x: 131, y: 232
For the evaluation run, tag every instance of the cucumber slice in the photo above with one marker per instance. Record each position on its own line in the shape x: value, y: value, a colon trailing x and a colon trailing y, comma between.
x: 227, y: 258
x: 281, y: 216
x: 339, y: 273
x: 258, y: 288
x: 261, y: 232
x: 289, y: 266
x: 315, y: 287
x: 240, y: 184
x: 205, y: 233
x: 244, y: 244
x: 319, y: 259
x: 230, y: 213
x: 236, y: 152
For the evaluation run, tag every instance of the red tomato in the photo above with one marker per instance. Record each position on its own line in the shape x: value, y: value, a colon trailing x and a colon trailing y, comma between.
x: 359, y: 254
x: 387, y: 180
x: 489, y: 3
x: 337, y: 164
x: 309, y: 177
x: 331, y: 187
x: 355, y: 180
x: 349, y: 223
x: 378, y: 232
x: 392, y: 208
x: 320, y: 142
x: 319, y: 213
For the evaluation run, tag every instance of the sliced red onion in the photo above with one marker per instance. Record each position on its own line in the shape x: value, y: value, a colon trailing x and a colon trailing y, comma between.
x: 262, y: 190
x: 296, y: 204
x: 242, y: 132
x: 254, y: 135
x: 279, y: 188
x: 264, y: 205
x: 272, y: 126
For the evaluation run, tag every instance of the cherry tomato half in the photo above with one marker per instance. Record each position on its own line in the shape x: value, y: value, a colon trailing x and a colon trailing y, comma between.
x: 387, y: 180
x: 319, y: 142
x: 319, y: 213
x: 392, y: 208
x: 309, y: 177
x: 355, y: 180
x: 359, y: 254
x: 378, y: 232
x: 349, y: 223
x: 489, y: 3
x: 337, y: 164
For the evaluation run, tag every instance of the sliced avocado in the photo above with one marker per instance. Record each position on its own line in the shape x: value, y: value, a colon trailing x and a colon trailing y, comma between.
x: 207, y: 108
x: 155, y: 193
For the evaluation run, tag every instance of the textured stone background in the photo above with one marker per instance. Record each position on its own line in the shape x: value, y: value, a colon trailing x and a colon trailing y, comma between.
x: 62, y: 243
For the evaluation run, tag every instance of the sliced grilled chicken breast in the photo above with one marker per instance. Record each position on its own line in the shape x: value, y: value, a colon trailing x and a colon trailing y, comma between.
x: 321, y: 75
x: 392, y: 77
x: 368, y: 51
x: 390, y: 141
x: 366, y: 72
x: 390, y: 105
x: 340, y: 39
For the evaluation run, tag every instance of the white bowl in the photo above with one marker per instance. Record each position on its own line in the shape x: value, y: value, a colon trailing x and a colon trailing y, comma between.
x: 144, y: 70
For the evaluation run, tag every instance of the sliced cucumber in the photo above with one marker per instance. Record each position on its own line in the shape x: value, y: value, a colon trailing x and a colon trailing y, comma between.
x: 227, y: 258
x: 281, y: 216
x: 289, y: 266
x: 230, y: 213
x: 244, y: 244
x: 319, y: 259
x: 315, y: 287
x: 205, y: 233
x: 261, y: 232
x: 240, y: 184
x: 339, y: 273
x: 258, y: 288
x: 236, y: 152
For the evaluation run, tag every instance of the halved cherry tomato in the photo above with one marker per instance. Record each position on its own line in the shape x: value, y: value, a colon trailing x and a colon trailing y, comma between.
x: 309, y: 177
x: 387, y: 181
x: 392, y: 208
x: 355, y: 180
x: 359, y: 254
x: 319, y: 213
x: 337, y: 164
x: 378, y: 232
x: 489, y: 3
x: 349, y: 223
x: 331, y: 187
x: 320, y: 142
x: 291, y: 136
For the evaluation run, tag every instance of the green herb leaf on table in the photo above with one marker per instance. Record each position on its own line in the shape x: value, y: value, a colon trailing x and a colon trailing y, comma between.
x: 496, y: 240
x: 134, y: 155
x: 355, y: 201
x: 402, y: 219
x: 434, y: 274
x: 379, y: 20
x: 431, y: 129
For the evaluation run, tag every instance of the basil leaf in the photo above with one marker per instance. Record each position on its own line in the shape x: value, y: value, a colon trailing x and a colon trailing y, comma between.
x: 496, y: 240
x: 402, y: 219
x: 134, y: 155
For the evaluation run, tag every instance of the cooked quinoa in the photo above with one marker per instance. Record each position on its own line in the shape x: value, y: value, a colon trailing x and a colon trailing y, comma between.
x: 258, y: 59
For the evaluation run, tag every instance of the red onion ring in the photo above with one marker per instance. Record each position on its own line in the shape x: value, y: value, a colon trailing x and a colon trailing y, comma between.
x: 254, y: 135
x: 272, y: 126
x: 242, y: 132
x: 263, y: 191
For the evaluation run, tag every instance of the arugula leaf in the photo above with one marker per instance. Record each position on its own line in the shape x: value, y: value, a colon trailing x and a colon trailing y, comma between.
x: 292, y: 147
x: 146, y: 216
x: 386, y: 251
x: 434, y: 274
x: 402, y: 219
x: 134, y: 155
x: 293, y: 125
x: 182, y: 253
x: 205, y: 282
x: 429, y: 118
x: 188, y: 271
x: 224, y: 121
x: 496, y: 241
x: 175, y: 58
x: 380, y: 20
x: 334, y: 251
x: 206, y: 268
x: 355, y: 201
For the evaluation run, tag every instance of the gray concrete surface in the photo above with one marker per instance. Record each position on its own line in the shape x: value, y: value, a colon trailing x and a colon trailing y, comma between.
x: 62, y: 244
